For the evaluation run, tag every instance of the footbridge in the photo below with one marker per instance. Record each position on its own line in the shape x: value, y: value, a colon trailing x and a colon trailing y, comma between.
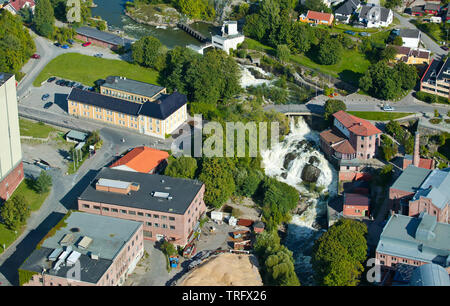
x: 297, y: 109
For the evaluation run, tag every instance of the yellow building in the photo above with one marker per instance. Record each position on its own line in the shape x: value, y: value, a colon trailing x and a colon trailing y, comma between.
x: 155, y: 118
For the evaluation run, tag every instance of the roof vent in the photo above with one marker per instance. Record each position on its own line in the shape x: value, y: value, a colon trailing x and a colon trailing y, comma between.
x: 161, y: 195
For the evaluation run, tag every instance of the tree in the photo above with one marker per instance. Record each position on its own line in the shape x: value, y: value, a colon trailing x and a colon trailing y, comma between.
x: 330, y: 51
x: 196, y: 9
x: 43, y: 183
x: 302, y: 37
x: 388, y: 148
x: 251, y: 183
x: 332, y: 106
x: 255, y: 27
x: 15, y: 212
x: 283, y: 53
x: 168, y: 248
x: 317, y: 5
x: 390, y: 4
x: 26, y: 14
x: 389, y: 53
x: 394, y: 129
x: 381, y: 81
x: 149, y: 52
x: 218, y: 179
x: 407, y: 75
x: 44, y: 18
x: 398, y: 41
x: 184, y: 167
x: 339, y: 253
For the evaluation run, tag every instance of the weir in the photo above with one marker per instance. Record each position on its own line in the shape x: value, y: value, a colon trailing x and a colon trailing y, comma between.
x: 197, y: 35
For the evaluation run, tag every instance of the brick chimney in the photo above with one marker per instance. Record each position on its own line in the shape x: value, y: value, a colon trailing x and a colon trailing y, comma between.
x: 416, y: 155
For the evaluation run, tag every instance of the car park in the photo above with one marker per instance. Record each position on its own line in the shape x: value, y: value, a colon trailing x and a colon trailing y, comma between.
x: 45, y: 97
x: 36, y: 56
x: 48, y: 105
x: 51, y: 79
x: 86, y: 44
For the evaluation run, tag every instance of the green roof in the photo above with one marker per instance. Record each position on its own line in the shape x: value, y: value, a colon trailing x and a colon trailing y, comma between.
x: 411, y: 179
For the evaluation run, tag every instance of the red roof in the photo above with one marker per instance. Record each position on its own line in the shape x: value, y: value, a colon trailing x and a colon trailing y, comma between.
x: 355, y: 199
x: 319, y: 16
x: 356, y: 125
x: 142, y: 159
x: 18, y: 4
x: 245, y: 222
x: 345, y: 148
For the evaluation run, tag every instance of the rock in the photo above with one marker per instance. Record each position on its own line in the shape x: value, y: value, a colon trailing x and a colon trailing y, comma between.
x: 310, y: 173
x: 314, y: 160
x: 284, y: 175
x: 288, y: 160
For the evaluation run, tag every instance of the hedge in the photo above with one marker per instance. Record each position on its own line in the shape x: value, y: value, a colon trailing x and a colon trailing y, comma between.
x: 430, y: 98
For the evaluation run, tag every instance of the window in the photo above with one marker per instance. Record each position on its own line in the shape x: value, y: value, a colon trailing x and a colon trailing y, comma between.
x: 172, y: 227
x: 114, y: 210
x: 148, y: 223
x: 171, y: 218
x: 123, y: 211
x: 148, y: 215
x: 156, y: 225
x: 96, y: 207
x: 132, y: 212
x: 86, y: 206
x: 164, y: 217
x: 156, y: 216
x: 140, y: 214
x: 105, y: 208
x: 164, y: 226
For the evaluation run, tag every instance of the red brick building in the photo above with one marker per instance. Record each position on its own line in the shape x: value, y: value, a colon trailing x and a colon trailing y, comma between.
x: 355, y: 205
x: 101, y: 38
x: 11, y: 181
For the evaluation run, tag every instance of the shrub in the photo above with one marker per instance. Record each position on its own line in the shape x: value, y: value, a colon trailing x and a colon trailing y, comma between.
x: 435, y: 120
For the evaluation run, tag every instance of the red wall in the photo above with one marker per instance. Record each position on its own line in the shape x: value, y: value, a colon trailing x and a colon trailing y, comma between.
x: 10, y: 182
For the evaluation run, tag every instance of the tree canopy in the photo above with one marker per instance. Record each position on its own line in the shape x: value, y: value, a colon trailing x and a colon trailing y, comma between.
x: 332, y: 106
x: 184, y: 167
x: 149, y: 52
x: 15, y: 212
x: 44, y: 18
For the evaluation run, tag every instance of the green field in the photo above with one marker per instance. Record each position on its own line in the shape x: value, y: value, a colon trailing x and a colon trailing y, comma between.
x: 88, y: 69
x: 35, y: 129
x: 380, y: 116
x: 35, y: 200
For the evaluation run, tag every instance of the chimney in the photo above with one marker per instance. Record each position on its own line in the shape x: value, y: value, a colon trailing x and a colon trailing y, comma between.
x: 416, y: 156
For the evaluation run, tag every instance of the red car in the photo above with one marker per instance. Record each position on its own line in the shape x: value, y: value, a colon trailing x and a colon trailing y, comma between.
x: 36, y: 56
x: 86, y: 44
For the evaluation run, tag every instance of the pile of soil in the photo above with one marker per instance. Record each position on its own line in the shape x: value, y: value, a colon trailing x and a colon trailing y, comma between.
x: 226, y: 269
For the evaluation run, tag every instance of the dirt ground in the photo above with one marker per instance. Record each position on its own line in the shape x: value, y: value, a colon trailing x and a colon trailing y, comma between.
x: 249, y: 209
x: 226, y: 269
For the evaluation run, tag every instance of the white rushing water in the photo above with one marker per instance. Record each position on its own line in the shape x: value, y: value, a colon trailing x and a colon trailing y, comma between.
x: 285, y: 161
x: 247, y: 78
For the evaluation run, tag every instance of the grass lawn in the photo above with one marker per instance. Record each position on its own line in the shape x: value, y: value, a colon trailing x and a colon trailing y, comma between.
x: 256, y: 45
x: 35, y: 129
x: 87, y: 69
x: 35, y: 200
x: 381, y: 116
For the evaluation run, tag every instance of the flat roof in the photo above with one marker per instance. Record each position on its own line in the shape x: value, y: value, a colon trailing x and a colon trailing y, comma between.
x: 182, y: 191
x: 132, y: 86
x: 103, y: 36
x: 411, y: 179
x: 4, y: 77
x: 77, y: 135
x: 109, y: 235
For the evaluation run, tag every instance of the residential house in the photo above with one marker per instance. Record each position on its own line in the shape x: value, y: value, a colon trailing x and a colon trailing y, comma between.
x: 355, y: 205
x: 102, y: 38
x: 417, y: 10
x: 89, y: 250
x: 412, y: 56
x: 414, y: 241
x: 14, y: 6
x: 375, y: 16
x: 11, y: 166
x: 346, y: 10
x: 142, y: 159
x: 419, y: 189
x: 170, y: 208
x: 410, y: 37
x: 317, y: 18
x: 436, y: 79
x: 432, y: 8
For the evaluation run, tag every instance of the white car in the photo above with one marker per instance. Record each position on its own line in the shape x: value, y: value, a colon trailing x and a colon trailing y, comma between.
x: 388, y: 108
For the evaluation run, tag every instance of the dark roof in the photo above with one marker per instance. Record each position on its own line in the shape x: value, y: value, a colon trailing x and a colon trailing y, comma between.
x: 432, y: 6
x: 437, y: 70
x: 107, y: 102
x: 348, y: 7
x: 356, y: 199
x: 417, y: 9
x: 91, y: 269
x: 182, y: 191
x: 133, y: 86
x: 365, y: 9
x: 103, y: 36
x: 409, y: 33
x: 164, y: 106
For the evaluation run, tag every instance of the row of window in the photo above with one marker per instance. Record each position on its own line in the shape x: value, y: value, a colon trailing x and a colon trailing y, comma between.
x: 130, y: 212
x: 172, y: 227
x: 124, y: 96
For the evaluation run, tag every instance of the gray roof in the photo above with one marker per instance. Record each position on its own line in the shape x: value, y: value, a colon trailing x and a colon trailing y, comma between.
x: 366, y: 9
x: 80, y: 136
x: 411, y: 179
x: 182, y: 191
x: 430, y: 275
x: 436, y: 187
x: 109, y: 235
x: 437, y: 70
x: 103, y: 36
x: 133, y: 86
x: 409, y: 33
x: 347, y: 8
x: 421, y: 239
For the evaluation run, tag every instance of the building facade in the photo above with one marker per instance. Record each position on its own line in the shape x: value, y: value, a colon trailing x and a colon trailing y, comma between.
x: 14, y: 6
x: 169, y: 208
x: 155, y: 118
x: 131, y: 90
x: 229, y: 39
x: 90, y: 250
x: 317, y: 18
x: 356, y: 205
x: 436, y: 79
x: 11, y: 167
x: 101, y: 38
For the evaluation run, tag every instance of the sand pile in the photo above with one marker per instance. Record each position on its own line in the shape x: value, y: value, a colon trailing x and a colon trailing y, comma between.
x: 227, y: 269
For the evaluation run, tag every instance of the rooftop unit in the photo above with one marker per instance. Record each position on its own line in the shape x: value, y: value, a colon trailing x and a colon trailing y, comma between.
x: 115, y: 186
x: 54, y: 255
x: 67, y: 240
x: 162, y: 195
x: 85, y: 242
x: 73, y: 257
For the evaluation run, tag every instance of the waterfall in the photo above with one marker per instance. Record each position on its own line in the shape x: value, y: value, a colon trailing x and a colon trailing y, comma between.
x: 247, y: 78
x: 285, y: 162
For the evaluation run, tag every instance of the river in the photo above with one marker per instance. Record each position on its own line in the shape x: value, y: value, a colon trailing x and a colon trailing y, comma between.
x: 113, y: 12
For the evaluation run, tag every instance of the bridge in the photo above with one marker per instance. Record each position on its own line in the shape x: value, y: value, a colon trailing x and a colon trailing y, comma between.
x: 297, y: 109
x: 196, y: 34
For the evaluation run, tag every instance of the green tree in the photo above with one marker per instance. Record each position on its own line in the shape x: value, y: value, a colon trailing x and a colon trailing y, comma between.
x: 407, y: 75
x: 393, y: 3
x: 332, y: 106
x: 389, y: 53
x: 255, y: 27
x: 330, y: 51
x: 398, y: 41
x: 26, y: 14
x: 184, y: 167
x: 251, y: 184
x: 15, y: 212
x: 283, y: 53
x: 44, y: 18
x: 394, y: 129
x: 168, y: 248
x: 317, y: 5
x: 149, y: 52
x: 43, y: 183
x: 388, y: 148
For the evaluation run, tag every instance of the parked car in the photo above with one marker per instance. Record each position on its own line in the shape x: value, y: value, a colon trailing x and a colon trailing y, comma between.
x: 70, y: 41
x: 48, y: 105
x: 349, y: 32
x: 71, y: 84
x: 445, y: 48
x: 86, y: 44
x: 45, y: 97
x: 51, y: 79
x: 57, y: 44
x: 67, y: 83
x: 98, y: 55
x: 36, y: 56
x: 65, y: 46
x: 80, y: 87
x: 364, y: 34
x: 60, y: 82
x: 388, y: 108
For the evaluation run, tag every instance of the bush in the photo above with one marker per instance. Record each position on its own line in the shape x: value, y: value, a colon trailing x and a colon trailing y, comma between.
x: 435, y: 120
x: 43, y: 183
x: 430, y: 98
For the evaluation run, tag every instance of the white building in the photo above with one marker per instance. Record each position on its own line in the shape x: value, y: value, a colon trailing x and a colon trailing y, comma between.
x: 375, y: 16
x: 230, y: 37
x: 410, y: 37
